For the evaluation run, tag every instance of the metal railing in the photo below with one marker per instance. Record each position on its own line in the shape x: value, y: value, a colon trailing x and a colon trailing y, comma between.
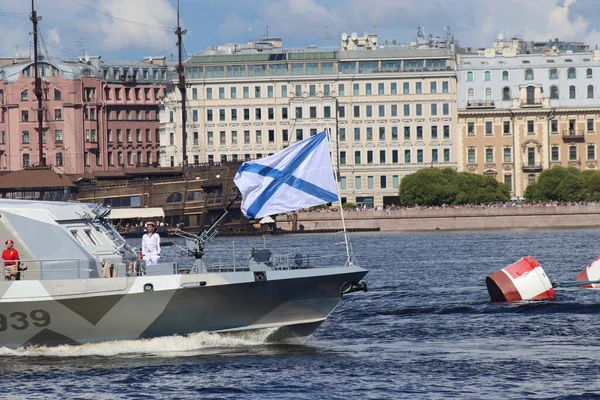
x: 37, y: 266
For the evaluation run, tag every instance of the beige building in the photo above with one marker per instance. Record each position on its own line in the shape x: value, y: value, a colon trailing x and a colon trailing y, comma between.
x: 391, y: 108
x: 523, y: 111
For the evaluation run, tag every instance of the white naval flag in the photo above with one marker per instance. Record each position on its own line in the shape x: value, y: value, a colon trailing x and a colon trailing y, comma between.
x: 297, y: 177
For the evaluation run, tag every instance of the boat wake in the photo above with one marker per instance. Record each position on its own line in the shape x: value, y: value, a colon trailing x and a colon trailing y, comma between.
x: 169, y: 346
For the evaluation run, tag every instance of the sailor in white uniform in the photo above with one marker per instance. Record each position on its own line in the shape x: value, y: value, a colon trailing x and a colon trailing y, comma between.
x: 151, y: 245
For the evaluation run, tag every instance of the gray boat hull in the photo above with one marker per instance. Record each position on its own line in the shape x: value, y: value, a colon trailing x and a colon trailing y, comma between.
x: 57, y: 312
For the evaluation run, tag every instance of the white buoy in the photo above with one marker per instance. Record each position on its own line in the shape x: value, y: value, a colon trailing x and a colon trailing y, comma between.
x: 523, y: 280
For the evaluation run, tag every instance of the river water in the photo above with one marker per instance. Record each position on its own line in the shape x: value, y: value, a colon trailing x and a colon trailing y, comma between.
x: 425, y: 330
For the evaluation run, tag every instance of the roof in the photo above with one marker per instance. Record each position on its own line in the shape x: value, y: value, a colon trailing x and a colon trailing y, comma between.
x: 38, y: 178
x: 126, y: 213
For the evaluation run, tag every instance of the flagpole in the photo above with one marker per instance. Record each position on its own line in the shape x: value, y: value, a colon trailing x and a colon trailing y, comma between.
x: 337, y: 186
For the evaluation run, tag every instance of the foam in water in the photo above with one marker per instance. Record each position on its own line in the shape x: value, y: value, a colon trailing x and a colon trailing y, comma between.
x: 162, y: 346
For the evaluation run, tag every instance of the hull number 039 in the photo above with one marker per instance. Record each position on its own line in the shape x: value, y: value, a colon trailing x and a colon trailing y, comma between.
x: 21, y: 321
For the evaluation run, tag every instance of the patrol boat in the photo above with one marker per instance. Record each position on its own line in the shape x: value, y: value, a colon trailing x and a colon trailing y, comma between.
x: 82, y: 283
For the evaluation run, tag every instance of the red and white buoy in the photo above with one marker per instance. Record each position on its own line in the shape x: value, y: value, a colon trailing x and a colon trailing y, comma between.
x: 523, y: 280
x: 590, y: 273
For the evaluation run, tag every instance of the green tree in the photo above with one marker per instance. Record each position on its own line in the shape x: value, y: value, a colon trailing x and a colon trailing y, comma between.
x: 558, y: 184
x: 431, y: 186
x: 434, y: 186
x: 591, y: 179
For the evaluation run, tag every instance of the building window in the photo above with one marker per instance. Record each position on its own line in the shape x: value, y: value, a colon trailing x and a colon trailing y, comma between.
x: 471, y: 95
x: 553, y: 73
x: 572, y: 153
x: 572, y: 92
x: 357, y: 182
x: 446, y: 155
x: 504, y: 75
x: 590, y: 91
x: 420, y: 156
x: 343, y: 183
x: 591, y: 152
x: 57, y: 94
x: 554, y: 92
x: 418, y: 87
x: 209, y: 93
x: 434, y: 155
x: 394, y: 88
x: 487, y: 76
x: 407, y: 156
x: 489, y: 155
x: 405, y: 88
x: 341, y: 89
x: 530, y: 127
x: 58, y: 134
x: 432, y: 87
x: 407, y: 133
x: 590, y: 125
x: 446, y: 132
x: 589, y: 73
x: 419, y: 109
x: 508, y: 182
x: 445, y: 87
x: 571, y: 73
x: 528, y: 74
x: 25, y: 137
x: 434, y: 132
x: 382, y: 159
x: 488, y: 128
x: 470, y: 128
x: 24, y: 95
x: 383, y: 182
x: 433, y: 109
x: 395, y: 181
x: 471, y: 155
x: 506, y: 93
x: 553, y: 126
x: 419, y: 133
x: 488, y: 95
x: 380, y: 88
x: 25, y: 160
x: 554, y: 153
x: 469, y: 76
x: 507, y: 155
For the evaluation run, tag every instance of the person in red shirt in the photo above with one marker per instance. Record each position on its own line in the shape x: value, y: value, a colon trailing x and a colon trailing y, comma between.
x: 10, y: 257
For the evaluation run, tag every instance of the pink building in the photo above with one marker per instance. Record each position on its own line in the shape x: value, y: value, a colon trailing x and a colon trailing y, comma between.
x: 97, y: 115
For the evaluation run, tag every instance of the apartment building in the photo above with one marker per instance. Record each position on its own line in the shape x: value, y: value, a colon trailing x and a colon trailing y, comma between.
x: 390, y: 108
x: 86, y: 104
x: 523, y: 109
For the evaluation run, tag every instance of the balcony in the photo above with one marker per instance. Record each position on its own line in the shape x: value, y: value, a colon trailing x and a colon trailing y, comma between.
x: 573, y: 135
x: 480, y: 104
x: 530, y: 103
x: 532, y: 168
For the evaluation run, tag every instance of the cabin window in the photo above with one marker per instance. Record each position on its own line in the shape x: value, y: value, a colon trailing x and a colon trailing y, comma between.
x: 175, y: 198
x: 195, y: 196
x: 77, y: 235
x: 92, y: 238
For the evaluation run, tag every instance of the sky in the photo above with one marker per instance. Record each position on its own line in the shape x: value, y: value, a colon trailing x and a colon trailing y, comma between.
x: 132, y: 29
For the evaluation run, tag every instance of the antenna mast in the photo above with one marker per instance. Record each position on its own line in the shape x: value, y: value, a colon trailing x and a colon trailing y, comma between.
x: 182, y: 88
x: 38, y: 82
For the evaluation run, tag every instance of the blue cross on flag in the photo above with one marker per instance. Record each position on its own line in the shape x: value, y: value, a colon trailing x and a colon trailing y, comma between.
x: 297, y: 177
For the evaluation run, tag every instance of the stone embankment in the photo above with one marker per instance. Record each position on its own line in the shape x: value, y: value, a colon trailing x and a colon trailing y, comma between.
x: 530, y: 217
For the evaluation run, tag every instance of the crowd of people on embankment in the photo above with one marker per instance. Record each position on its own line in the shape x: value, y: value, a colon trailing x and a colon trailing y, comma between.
x: 453, y: 206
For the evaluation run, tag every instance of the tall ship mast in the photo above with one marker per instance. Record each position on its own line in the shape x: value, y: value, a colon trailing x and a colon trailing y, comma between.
x: 38, y: 84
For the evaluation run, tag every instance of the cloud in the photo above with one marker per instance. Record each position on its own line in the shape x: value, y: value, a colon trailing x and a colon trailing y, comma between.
x: 475, y: 23
x: 53, y: 36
